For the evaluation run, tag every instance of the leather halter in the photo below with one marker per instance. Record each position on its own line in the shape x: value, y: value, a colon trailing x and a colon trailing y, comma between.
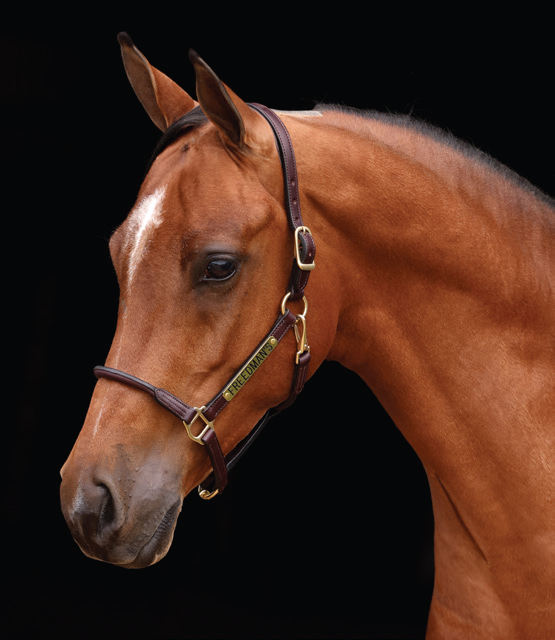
x: 303, y: 263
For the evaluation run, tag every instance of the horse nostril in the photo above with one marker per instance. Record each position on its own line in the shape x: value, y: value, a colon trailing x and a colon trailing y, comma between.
x: 107, y: 513
x: 94, y: 509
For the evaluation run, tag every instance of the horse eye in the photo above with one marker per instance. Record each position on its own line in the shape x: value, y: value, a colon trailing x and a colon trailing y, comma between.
x: 221, y: 269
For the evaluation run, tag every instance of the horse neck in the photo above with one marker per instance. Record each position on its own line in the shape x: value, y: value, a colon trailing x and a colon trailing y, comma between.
x: 439, y: 270
x: 427, y: 249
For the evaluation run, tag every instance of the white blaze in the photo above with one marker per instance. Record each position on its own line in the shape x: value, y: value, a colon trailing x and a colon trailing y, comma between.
x: 144, y: 219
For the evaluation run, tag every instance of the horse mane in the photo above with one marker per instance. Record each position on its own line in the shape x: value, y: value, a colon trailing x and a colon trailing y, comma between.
x: 443, y: 137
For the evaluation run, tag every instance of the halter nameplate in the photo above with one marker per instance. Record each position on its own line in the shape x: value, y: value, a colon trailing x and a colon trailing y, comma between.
x: 245, y: 374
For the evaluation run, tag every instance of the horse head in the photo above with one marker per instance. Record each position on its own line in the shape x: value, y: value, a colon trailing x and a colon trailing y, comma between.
x: 203, y: 261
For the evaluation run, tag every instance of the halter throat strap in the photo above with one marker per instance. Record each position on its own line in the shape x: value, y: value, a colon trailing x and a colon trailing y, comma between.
x: 303, y: 263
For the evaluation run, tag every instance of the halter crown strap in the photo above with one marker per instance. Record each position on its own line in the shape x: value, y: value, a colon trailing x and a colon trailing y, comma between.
x: 305, y: 247
x: 303, y: 263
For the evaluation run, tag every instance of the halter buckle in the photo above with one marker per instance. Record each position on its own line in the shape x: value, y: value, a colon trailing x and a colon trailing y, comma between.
x: 209, y: 425
x: 302, y: 265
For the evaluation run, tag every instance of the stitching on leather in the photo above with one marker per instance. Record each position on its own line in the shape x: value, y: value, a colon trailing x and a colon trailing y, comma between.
x: 171, y: 401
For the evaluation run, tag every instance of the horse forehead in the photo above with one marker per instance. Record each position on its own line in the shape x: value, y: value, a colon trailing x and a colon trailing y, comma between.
x: 196, y: 185
x: 147, y: 213
x: 212, y: 207
x: 142, y: 222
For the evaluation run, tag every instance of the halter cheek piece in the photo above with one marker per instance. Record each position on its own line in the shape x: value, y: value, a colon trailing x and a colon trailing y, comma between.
x: 204, y: 416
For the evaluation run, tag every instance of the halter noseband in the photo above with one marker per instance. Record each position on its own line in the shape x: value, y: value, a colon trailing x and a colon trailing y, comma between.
x: 303, y: 263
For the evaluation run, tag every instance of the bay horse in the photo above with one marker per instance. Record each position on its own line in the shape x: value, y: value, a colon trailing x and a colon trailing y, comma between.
x: 433, y: 280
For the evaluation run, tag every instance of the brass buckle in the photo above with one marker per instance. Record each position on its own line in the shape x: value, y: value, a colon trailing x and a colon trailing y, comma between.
x: 203, y: 493
x: 300, y: 264
x: 209, y: 425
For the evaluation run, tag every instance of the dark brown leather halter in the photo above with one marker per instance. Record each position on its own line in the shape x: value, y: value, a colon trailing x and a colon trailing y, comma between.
x: 303, y: 263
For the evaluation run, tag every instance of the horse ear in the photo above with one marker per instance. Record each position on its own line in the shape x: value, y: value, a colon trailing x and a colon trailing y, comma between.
x: 238, y: 124
x: 164, y: 101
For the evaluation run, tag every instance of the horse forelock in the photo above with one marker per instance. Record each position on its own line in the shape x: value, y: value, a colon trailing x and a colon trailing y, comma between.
x: 190, y: 121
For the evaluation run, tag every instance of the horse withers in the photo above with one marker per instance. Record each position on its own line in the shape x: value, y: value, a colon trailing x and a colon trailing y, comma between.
x: 433, y: 280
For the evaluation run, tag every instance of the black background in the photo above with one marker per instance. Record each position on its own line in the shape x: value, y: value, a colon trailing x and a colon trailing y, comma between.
x: 320, y: 535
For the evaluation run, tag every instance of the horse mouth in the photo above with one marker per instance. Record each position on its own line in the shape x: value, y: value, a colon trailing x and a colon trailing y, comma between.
x: 158, y: 545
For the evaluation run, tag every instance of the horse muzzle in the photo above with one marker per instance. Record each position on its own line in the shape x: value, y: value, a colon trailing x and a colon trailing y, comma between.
x: 129, y: 523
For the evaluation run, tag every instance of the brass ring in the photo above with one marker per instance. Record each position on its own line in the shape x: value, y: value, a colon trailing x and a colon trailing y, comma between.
x: 284, y: 301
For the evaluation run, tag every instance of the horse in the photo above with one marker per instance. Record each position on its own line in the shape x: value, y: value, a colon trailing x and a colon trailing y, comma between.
x: 433, y: 280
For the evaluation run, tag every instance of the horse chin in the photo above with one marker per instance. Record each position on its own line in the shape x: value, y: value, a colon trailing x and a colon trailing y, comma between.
x: 159, y: 545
